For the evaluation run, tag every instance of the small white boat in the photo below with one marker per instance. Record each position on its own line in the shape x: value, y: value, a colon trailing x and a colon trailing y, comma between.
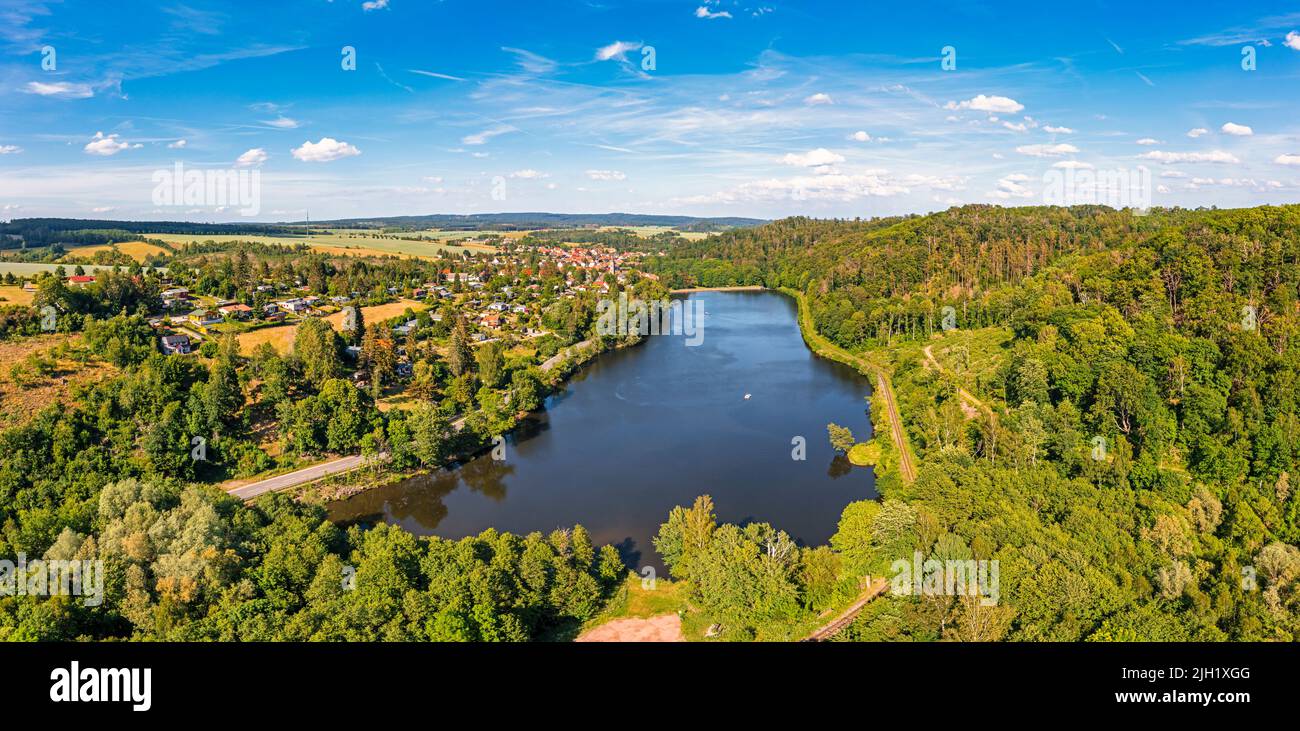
x: 747, y: 396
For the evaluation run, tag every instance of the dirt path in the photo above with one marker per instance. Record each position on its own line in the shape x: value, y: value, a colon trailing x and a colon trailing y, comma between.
x: 664, y: 628
x: 966, y: 396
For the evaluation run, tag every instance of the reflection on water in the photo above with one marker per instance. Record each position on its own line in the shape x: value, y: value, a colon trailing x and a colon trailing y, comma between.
x: 650, y: 427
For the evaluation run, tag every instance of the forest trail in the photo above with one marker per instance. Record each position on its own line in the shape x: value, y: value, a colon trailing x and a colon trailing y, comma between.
x: 966, y: 396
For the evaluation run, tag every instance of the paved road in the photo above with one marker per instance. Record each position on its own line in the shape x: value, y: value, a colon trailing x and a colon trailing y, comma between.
x: 293, y: 479
x: 554, y: 360
x: 311, y: 474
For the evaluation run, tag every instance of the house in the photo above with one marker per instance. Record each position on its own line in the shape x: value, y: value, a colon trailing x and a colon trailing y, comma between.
x: 80, y: 280
x: 203, y: 318
x: 406, y: 327
x: 238, y: 310
x: 296, y: 306
x: 175, y: 344
x: 492, y: 320
x: 175, y: 293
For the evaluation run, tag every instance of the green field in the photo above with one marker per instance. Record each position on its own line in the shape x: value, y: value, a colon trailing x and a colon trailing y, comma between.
x: 345, y: 241
x: 26, y: 269
x: 646, y: 232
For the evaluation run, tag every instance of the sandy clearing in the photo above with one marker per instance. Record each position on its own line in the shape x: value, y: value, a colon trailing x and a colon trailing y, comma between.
x: 664, y: 628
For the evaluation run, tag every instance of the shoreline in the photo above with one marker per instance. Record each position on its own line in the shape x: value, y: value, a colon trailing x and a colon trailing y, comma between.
x: 320, y: 492
x: 737, y: 288
x: 327, y: 490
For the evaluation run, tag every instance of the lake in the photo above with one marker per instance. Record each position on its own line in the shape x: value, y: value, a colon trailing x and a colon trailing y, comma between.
x: 645, y: 428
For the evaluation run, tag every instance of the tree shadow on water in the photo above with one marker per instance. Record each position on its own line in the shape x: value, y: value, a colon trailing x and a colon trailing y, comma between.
x: 839, y: 467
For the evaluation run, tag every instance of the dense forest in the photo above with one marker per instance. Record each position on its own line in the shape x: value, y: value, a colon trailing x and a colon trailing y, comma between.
x: 112, y: 475
x: 1132, y: 471
x: 1128, y: 462
x: 35, y: 232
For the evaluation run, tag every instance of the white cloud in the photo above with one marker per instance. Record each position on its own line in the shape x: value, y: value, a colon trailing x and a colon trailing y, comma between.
x: 374, y: 5
x: 1011, y: 186
x: 60, y: 89
x: 606, y: 175
x: 1148, y: 141
x: 1016, y: 127
x: 1194, y: 133
x: 325, y: 150
x: 616, y: 51
x: 813, y: 158
x: 1214, y: 156
x: 178, y: 144
x: 860, y: 136
x: 1056, y: 150
x: 982, y: 103
x: 838, y: 187
x: 479, y: 138
x: 10, y: 149
x: 817, y: 99
x: 1058, y: 130
x: 703, y: 12
x: 1236, y: 130
x: 1234, y: 183
x: 528, y: 174
x: 105, y: 146
x: 1287, y: 159
x: 1292, y: 41
x: 102, y: 209
x: 281, y: 122
x: 1072, y: 165
x: 252, y: 158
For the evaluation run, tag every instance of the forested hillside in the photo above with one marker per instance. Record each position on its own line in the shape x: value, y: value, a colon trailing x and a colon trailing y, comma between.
x: 1131, y: 470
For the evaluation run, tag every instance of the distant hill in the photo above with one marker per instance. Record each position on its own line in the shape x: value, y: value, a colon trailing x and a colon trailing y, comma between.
x: 534, y: 220
x: 44, y: 231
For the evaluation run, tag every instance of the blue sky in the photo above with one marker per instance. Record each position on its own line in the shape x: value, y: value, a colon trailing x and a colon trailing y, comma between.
x: 764, y: 108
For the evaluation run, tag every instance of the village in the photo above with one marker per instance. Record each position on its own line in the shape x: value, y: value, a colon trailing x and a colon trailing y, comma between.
x: 499, y: 297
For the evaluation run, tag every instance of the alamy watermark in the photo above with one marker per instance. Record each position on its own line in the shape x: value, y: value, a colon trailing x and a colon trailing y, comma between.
x: 46, y: 578
x: 625, y: 316
x: 213, y: 188
x: 1117, y: 188
x: 950, y: 577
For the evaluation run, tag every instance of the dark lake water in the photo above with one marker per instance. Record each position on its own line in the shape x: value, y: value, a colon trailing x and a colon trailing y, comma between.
x: 649, y: 427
